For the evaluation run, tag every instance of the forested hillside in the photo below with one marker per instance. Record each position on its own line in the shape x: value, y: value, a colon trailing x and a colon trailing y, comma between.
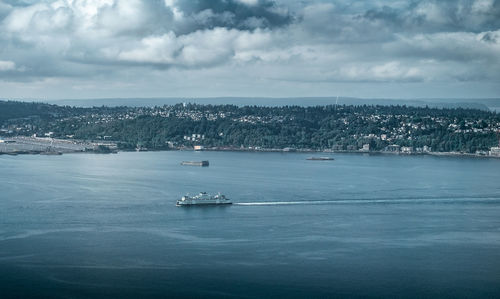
x: 322, y: 127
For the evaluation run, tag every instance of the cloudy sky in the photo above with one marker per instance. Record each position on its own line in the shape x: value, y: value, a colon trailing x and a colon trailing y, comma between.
x: 206, y: 48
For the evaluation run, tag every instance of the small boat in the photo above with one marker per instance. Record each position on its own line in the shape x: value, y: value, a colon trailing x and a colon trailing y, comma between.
x: 203, y: 199
x: 320, y: 158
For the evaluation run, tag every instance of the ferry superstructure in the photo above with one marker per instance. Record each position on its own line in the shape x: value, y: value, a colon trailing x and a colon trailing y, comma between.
x: 204, y: 199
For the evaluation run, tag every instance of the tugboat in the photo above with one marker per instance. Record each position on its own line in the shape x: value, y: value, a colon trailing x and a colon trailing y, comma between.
x: 203, y: 199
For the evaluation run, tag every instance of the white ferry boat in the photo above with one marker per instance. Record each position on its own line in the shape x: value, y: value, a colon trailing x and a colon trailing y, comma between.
x: 203, y: 199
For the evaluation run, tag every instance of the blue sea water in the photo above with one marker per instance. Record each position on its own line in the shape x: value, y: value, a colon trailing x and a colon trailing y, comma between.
x: 106, y: 226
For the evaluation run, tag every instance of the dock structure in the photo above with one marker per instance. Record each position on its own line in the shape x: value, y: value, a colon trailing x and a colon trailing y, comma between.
x: 48, y: 145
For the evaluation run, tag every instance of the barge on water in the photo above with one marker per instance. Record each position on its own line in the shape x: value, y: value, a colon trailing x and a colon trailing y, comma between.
x: 196, y: 163
x: 320, y: 158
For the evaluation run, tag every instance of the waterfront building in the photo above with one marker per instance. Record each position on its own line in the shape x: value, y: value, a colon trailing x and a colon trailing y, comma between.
x: 495, y: 151
x: 393, y: 148
x: 407, y: 150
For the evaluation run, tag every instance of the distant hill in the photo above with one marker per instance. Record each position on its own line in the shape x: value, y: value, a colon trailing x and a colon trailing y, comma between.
x: 482, y: 104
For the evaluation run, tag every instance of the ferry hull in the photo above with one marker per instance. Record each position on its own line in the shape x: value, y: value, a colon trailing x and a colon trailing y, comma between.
x: 180, y: 204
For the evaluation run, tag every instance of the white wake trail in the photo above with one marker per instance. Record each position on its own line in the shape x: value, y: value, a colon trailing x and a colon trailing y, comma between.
x: 369, y: 201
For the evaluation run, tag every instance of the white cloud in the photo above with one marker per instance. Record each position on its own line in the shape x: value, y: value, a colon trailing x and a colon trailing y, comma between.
x: 336, y: 41
x: 482, y: 6
x: 249, y: 2
x: 198, y: 49
x: 159, y: 49
x: 7, y: 66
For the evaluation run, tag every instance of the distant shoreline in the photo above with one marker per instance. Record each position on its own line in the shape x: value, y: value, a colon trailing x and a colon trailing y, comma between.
x: 57, y: 151
x: 439, y: 154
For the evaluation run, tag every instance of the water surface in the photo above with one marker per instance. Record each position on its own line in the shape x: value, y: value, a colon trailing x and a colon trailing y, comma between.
x: 84, y: 225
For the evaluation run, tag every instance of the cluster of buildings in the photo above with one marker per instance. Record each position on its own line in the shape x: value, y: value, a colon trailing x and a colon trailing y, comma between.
x: 495, y: 151
x: 254, y: 119
x: 194, y: 137
x: 394, y: 148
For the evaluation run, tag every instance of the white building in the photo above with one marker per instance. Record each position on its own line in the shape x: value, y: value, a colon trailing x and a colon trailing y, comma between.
x: 406, y: 149
x: 495, y: 151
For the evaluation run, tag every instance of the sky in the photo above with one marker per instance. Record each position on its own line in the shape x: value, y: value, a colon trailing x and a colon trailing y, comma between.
x: 66, y: 49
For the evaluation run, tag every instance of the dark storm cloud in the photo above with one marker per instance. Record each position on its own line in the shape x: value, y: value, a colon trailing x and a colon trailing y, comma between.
x: 187, y: 16
x: 438, y: 16
x: 19, y: 2
x: 235, y: 14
